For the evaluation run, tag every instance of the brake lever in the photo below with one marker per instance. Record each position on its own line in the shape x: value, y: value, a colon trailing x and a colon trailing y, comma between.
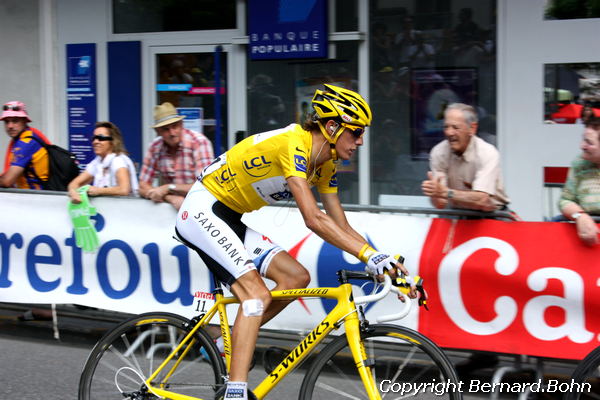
x: 404, y: 282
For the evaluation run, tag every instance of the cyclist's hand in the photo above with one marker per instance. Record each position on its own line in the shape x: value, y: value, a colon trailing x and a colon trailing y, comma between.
x: 378, y: 263
x: 412, y: 287
x: 403, y: 280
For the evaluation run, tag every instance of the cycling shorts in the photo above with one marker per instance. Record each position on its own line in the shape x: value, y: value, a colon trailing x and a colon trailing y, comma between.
x: 227, y: 246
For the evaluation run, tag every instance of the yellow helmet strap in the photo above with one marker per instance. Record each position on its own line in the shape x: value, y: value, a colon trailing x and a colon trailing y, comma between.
x: 334, y: 155
x: 332, y: 137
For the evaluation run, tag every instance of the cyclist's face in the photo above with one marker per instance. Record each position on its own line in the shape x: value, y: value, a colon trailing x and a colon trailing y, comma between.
x: 348, y: 144
x: 14, y: 125
x: 171, y: 133
x: 457, y: 131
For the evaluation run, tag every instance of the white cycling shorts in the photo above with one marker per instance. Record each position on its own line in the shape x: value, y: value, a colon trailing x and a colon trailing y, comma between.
x: 226, y: 245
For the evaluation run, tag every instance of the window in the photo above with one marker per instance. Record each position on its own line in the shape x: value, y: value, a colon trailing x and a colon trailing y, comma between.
x: 425, y: 55
x: 135, y: 16
x: 187, y: 80
x: 571, y: 92
x: 572, y: 9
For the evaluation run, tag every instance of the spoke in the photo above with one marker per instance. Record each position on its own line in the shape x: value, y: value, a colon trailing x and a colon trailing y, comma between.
x: 343, y: 375
x: 336, y: 391
x: 126, y: 360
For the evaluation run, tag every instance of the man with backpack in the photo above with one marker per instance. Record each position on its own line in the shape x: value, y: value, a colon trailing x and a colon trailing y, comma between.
x: 32, y: 162
x: 26, y: 164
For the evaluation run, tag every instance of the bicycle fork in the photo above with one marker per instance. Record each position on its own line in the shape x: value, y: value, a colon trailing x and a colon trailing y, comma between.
x: 359, y: 353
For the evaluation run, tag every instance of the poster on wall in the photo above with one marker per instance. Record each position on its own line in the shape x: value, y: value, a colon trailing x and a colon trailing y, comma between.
x: 81, y: 99
x: 194, y: 117
x: 432, y: 91
x: 305, y: 90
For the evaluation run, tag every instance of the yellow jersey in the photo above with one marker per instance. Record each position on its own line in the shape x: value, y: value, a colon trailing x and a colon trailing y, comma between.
x: 253, y: 173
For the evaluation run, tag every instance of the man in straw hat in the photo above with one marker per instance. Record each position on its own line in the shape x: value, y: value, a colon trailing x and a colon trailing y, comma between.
x: 176, y: 157
x: 26, y: 163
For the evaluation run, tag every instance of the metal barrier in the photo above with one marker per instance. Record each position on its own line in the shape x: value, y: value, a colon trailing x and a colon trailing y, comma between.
x: 428, y: 211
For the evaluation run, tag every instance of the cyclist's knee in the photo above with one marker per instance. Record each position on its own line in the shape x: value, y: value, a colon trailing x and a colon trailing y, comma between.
x: 257, y: 303
x: 300, y: 279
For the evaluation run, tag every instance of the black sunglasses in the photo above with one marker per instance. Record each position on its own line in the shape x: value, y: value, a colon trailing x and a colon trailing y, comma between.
x: 357, y: 131
x: 8, y: 107
x: 102, y: 138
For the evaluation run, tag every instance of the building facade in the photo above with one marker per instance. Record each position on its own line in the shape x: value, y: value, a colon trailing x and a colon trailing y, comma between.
x: 409, y: 58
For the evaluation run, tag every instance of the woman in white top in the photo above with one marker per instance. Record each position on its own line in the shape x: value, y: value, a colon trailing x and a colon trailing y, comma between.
x: 111, y: 173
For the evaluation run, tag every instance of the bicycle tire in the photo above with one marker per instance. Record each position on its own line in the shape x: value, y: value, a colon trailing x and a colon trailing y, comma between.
x: 126, y: 355
x: 586, y: 378
x: 390, y: 349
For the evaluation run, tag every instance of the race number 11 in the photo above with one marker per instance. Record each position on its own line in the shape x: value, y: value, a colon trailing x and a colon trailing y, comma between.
x: 202, y: 298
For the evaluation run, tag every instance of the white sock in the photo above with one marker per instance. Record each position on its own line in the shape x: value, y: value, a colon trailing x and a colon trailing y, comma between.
x: 236, y: 390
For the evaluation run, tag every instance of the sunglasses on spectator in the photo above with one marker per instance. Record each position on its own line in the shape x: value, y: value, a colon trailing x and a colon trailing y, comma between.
x: 357, y: 131
x: 102, y: 138
x: 8, y: 107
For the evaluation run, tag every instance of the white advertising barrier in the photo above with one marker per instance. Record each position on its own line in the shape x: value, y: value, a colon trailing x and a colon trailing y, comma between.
x: 139, y: 267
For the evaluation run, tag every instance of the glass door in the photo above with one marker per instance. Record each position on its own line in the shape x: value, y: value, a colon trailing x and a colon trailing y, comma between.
x: 194, y: 80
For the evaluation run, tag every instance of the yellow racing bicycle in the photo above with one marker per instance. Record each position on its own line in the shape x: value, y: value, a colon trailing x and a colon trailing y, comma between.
x: 166, y: 356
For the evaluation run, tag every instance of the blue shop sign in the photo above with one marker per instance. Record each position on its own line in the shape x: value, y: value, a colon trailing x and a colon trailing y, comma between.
x: 284, y: 29
x: 81, y: 99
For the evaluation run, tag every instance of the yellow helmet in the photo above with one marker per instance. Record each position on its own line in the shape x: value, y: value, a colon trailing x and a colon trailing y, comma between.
x: 342, y: 105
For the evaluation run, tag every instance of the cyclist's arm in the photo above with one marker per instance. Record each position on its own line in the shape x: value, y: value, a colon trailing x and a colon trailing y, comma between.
x: 322, y: 224
x: 334, y: 209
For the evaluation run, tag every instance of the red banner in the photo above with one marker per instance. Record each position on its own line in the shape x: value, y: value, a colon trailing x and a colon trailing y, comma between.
x: 512, y: 287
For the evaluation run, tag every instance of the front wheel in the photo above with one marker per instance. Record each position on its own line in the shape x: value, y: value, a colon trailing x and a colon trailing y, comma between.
x: 404, y: 363
x: 585, y: 380
x: 127, y: 355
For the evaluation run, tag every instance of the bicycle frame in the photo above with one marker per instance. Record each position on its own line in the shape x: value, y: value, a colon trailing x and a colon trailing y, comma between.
x: 345, y: 310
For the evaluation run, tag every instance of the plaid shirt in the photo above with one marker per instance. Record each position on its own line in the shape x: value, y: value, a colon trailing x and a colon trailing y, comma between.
x: 194, y: 153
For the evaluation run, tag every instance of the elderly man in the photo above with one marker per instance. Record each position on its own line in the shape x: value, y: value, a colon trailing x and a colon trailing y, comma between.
x: 176, y: 157
x: 26, y: 164
x: 465, y: 170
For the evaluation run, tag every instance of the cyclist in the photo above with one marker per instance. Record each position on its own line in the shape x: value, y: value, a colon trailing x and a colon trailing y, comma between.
x: 261, y: 170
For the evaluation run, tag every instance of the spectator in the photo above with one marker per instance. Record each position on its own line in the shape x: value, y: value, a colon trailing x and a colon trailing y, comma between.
x: 26, y: 165
x: 382, y: 46
x: 465, y: 170
x: 111, y: 173
x: 469, y: 40
x: 420, y: 53
x: 587, y: 112
x: 403, y: 40
x: 580, y: 197
x: 175, y: 158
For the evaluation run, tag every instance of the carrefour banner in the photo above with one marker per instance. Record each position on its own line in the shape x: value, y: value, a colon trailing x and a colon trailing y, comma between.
x: 515, y: 287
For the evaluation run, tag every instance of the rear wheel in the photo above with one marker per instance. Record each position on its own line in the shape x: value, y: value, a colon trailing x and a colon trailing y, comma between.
x: 127, y: 355
x: 400, y: 358
x: 586, y: 378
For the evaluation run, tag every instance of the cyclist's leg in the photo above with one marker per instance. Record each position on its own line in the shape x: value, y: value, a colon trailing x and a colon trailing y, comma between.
x: 251, y: 290
x: 216, y: 233
x: 275, y: 264
x: 288, y: 274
